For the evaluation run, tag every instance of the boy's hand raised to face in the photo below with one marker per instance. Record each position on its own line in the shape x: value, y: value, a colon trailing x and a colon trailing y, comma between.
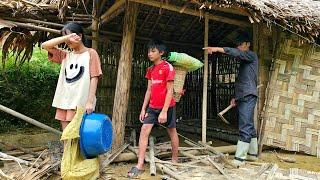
x: 162, y: 117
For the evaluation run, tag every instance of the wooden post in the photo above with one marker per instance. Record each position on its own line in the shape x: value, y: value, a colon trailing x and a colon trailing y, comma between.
x: 205, y: 80
x: 256, y: 49
x: 95, y: 25
x: 124, y: 74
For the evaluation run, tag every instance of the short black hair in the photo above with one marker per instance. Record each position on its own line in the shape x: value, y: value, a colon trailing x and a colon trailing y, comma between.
x: 157, y: 44
x: 73, y: 28
x: 243, y: 37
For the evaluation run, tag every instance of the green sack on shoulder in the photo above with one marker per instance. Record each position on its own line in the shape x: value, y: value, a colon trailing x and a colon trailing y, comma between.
x: 185, y: 61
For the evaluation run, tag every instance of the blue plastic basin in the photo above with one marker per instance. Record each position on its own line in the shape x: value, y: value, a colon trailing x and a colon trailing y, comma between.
x: 95, y: 135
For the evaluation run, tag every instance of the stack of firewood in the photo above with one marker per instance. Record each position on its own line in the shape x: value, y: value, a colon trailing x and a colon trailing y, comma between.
x: 29, y: 163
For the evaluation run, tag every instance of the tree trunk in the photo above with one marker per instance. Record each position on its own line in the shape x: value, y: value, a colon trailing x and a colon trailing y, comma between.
x: 124, y: 74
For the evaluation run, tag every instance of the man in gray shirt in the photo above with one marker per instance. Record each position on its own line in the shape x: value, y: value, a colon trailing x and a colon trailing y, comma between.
x: 245, y: 97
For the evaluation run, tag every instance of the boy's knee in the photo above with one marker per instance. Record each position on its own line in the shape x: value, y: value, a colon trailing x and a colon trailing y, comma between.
x: 145, y: 130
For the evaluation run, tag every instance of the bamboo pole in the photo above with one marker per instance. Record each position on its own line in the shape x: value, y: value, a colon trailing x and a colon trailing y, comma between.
x: 151, y: 153
x: 29, y: 120
x: 121, y: 98
x: 205, y: 80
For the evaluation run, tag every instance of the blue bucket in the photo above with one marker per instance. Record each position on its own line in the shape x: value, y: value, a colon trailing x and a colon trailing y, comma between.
x: 95, y: 135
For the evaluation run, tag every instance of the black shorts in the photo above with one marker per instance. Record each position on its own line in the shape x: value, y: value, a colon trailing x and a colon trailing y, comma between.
x: 153, y: 115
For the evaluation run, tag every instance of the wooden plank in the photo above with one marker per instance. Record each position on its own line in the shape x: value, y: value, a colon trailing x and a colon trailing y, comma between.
x: 121, y: 98
x: 205, y: 80
x: 193, y: 12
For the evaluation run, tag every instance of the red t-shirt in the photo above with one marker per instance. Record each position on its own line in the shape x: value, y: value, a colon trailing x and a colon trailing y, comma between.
x: 159, y: 75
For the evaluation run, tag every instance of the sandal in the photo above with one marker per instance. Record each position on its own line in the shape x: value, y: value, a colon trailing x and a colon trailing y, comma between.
x: 134, y: 172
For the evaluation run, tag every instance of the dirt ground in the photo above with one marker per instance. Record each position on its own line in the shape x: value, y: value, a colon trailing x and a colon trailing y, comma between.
x: 119, y: 170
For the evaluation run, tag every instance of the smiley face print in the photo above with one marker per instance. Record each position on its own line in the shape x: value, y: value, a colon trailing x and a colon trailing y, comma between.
x: 73, y: 71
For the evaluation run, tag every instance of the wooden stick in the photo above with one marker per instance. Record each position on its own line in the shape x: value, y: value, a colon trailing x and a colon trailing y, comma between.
x: 223, y: 112
x: 20, y: 148
x: 113, y: 156
x: 218, y: 167
x: 194, y: 157
x: 221, y: 155
x: 169, y: 171
x: 272, y: 172
x: 177, y: 164
x: 3, y: 175
x: 29, y: 120
x: 151, y: 153
x: 205, y: 80
x: 134, y: 137
x: 18, y: 160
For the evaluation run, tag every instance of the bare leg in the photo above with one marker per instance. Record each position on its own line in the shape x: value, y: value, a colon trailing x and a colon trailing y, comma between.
x: 69, y: 117
x: 143, y: 143
x: 174, y: 143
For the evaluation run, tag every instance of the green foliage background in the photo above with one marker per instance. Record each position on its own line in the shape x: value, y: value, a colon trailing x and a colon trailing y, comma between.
x: 28, y: 89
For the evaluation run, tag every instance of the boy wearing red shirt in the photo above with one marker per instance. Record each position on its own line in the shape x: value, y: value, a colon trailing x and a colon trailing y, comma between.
x: 159, y: 96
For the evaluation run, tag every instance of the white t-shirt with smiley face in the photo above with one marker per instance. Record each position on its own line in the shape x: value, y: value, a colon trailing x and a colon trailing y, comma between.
x: 74, y: 81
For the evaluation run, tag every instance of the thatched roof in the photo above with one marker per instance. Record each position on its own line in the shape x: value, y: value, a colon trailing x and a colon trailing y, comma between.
x: 176, y: 21
x: 301, y: 16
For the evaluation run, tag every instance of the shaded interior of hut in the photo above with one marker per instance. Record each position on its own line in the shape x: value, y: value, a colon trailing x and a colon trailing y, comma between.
x: 181, y: 33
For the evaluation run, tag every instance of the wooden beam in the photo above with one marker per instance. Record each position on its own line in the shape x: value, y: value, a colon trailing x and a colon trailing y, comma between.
x: 121, y: 98
x: 193, y: 12
x: 205, y: 80
x: 148, y: 39
x: 116, y: 6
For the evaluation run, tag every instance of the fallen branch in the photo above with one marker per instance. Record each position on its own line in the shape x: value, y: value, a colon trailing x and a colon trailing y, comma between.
x: 18, y: 160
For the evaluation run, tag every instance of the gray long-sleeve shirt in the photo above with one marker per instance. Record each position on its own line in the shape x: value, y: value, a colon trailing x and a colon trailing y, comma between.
x: 246, y: 82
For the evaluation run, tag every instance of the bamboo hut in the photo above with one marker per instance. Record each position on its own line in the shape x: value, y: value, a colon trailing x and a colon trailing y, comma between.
x: 284, y: 32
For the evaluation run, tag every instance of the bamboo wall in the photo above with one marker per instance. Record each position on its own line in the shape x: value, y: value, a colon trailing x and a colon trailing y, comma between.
x: 293, y: 107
